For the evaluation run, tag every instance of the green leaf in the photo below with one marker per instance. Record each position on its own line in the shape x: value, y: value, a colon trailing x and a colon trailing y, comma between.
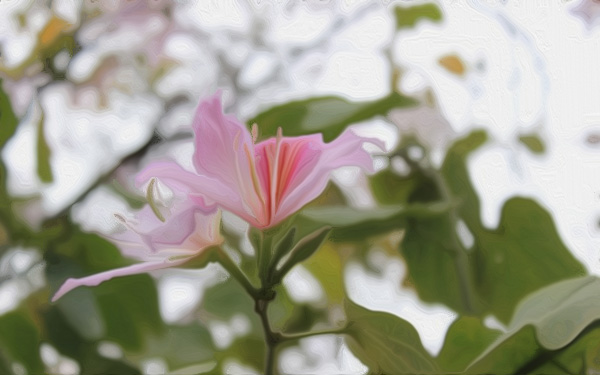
x: 81, y: 311
x: 44, y: 169
x: 556, y: 314
x: 408, y: 17
x: 180, y: 346
x: 227, y: 299
x: 288, y: 316
x: 501, y: 266
x: 127, y: 306
x: 467, y: 338
x: 328, y: 115
x: 351, y: 224
x: 130, y: 308
x: 580, y: 357
x: 533, y: 142
x: 8, y: 120
x: 327, y: 267
x: 248, y: 350
x: 303, y: 250
x: 20, y: 340
x: 60, y: 334
x: 283, y: 246
x: 386, y: 343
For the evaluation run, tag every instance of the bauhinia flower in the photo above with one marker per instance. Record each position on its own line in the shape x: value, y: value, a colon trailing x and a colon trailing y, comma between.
x: 158, y: 240
x: 263, y: 182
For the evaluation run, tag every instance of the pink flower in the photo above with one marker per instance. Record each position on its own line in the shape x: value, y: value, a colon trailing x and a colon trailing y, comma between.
x: 183, y: 235
x: 264, y: 182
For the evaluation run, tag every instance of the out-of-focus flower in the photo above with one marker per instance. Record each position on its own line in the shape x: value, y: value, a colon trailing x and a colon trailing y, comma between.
x: 263, y: 183
x: 588, y: 11
x: 158, y: 243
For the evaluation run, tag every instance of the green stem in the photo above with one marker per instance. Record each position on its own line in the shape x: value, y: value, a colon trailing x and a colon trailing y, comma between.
x: 271, y: 338
x: 236, y: 273
x: 265, y: 255
x: 267, y: 294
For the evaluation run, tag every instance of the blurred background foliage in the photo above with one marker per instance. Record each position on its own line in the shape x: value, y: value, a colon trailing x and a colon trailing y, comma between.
x: 424, y: 213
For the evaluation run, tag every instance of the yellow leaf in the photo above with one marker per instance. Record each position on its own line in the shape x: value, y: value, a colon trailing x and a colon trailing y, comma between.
x: 453, y: 64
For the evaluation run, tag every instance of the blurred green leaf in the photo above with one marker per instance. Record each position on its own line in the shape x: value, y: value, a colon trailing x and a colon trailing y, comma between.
x: 351, y: 224
x: 8, y: 126
x: 466, y: 338
x: 544, y: 322
x: 180, y: 345
x: 288, y: 316
x: 326, y: 265
x: 44, y: 169
x: 59, y: 333
x: 227, y: 299
x: 8, y: 120
x: 501, y: 266
x: 386, y: 343
x: 247, y: 350
x: 559, y: 313
x: 580, y: 357
x: 130, y: 309
x: 533, y: 142
x: 303, y: 250
x: 127, y: 306
x: 5, y: 365
x: 81, y: 311
x: 509, y: 355
x: 408, y: 17
x: 328, y: 115
x: 20, y: 339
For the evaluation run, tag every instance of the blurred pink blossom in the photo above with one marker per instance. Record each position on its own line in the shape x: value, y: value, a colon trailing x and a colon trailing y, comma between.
x: 263, y: 182
x: 184, y: 234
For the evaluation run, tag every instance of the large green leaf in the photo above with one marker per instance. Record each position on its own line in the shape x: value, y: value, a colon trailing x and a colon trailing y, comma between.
x: 544, y: 322
x: 328, y: 115
x: 386, y: 343
x: 580, y: 357
x: 466, y: 338
x: 521, y: 255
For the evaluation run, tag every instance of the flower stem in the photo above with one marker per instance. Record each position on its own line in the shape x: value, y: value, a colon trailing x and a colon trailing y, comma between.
x: 236, y: 273
x: 271, y: 338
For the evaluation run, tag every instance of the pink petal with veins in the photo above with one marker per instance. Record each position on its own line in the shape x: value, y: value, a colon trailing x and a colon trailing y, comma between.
x: 185, y: 233
x: 224, y: 151
x: 262, y: 183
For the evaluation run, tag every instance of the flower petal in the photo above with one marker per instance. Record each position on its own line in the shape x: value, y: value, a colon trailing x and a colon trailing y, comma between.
x: 202, y: 190
x: 311, y: 179
x: 225, y: 152
x: 98, y: 278
x: 186, y: 231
